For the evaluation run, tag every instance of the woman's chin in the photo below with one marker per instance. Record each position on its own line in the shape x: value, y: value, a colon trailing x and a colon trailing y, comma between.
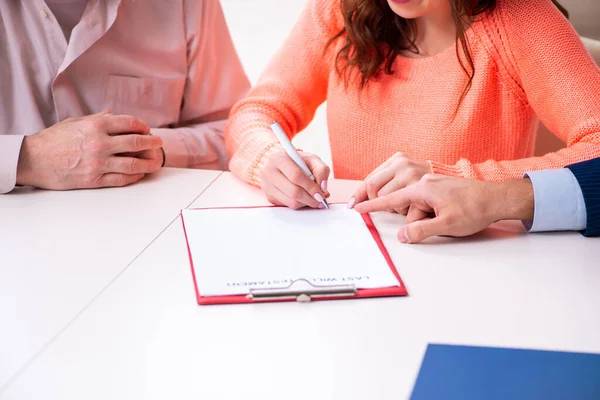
x: 408, y: 9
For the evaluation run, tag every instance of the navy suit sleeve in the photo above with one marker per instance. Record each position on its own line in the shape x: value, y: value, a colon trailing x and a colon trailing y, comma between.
x: 588, y: 175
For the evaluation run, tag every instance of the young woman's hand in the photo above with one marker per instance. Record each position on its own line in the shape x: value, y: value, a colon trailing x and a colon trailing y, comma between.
x: 285, y: 184
x: 396, y: 173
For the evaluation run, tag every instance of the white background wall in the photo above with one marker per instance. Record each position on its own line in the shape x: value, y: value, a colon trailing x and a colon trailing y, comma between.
x: 258, y: 28
x: 585, y: 16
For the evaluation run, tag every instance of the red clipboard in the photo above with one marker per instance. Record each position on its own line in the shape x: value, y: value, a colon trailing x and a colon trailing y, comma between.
x: 358, y: 294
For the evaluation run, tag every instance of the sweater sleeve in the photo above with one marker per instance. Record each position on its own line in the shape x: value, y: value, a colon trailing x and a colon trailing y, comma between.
x: 289, y: 91
x: 550, y: 69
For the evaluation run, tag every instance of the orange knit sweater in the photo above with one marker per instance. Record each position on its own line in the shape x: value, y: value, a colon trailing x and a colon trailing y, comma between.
x: 529, y: 63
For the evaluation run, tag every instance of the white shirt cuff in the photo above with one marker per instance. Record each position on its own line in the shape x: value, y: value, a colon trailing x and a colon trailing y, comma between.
x: 559, y: 203
x: 10, y: 148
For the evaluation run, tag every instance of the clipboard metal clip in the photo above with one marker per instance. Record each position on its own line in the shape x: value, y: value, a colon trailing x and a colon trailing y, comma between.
x: 302, y: 291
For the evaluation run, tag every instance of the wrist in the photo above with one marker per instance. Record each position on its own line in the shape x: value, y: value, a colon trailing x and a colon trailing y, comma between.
x: 515, y: 200
x: 25, y: 164
x: 259, y: 164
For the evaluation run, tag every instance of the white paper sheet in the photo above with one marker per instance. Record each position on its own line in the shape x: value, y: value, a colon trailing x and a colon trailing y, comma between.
x: 235, y: 250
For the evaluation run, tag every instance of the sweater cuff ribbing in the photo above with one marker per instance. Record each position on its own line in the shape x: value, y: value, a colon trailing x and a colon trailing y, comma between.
x: 462, y: 169
x: 443, y: 169
x: 260, y: 161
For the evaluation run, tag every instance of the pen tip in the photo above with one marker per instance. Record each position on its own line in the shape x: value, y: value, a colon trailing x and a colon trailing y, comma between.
x: 325, y: 204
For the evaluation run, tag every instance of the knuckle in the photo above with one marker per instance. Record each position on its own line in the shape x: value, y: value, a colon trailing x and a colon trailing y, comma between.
x: 428, y: 178
x: 120, y: 180
x: 129, y: 121
x: 278, y: 159
x: 87, y: 182
x: 136, y: 142
x: 279, y: 155
x: 362, y: 189
x: 296, y: 176
x: 133, y: 166
x: 95, y: 125
x: 95, y: 146
x: 450, y: 219
x: 271, y: 165
x: 96, y: 164
x: 272, y: 199
x: 370, y: 184
x: 401, y: 159
x: 91, y: 181
x: 418, y: 233
x: 414, y: 175
x: 296, y: 205
x: 296, y: 192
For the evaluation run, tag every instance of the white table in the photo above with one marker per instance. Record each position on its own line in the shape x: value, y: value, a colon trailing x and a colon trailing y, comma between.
x: 145, y: 337
x: 59, y: 250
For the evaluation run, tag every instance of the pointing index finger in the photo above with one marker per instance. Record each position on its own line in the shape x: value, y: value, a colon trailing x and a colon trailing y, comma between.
x: 396, y: 200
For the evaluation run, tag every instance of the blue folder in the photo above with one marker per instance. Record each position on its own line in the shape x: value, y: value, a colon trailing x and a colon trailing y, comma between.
x: 463, y: 372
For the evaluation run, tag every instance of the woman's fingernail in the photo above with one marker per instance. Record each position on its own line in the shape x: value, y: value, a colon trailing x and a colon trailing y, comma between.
x: 321, y: 205
x: 318, y: 197
x: 403, y: 236
x: 324, y: 185
x: 351, y: 203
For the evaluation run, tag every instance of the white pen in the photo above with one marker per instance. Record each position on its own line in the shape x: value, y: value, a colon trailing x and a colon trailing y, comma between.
x: 291, y: 151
